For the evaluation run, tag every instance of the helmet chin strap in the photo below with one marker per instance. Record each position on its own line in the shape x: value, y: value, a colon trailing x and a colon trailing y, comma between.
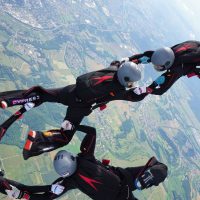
x: 65, y: 175
x: 159, y: 68
x: 130, y: 84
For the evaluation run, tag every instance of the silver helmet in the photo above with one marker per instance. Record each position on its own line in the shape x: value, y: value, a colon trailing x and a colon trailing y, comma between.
x: 163, y: 58
x: 127, y: 73
x: 65, y: 163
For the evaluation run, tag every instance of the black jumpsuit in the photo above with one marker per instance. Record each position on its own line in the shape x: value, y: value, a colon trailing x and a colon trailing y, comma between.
x: 103, y: 87
x: 187, y: 60
x: 93, y: 178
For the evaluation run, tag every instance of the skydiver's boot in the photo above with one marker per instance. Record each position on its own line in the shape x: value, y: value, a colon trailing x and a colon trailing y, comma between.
x: 153, y: 173
x: 5, y: 97
x: 20, y: 97
x: 41, y: 142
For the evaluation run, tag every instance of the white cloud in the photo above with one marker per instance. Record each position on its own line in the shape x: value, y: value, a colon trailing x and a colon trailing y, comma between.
x: 187, y: 9
x: 90, y: 4
x: 106, y: 11
x: 87, y: 21
x: 192, y: 36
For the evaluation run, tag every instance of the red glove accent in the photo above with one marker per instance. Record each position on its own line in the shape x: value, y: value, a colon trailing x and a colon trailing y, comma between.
x: 103, y: 107
x: 26, y: 196
x: 135, y: 61
x: 105, y: 162
x: 191, y: 75
x: 149, y: 90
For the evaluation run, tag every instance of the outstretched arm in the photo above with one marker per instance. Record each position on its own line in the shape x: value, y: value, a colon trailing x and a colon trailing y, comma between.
x: 158, y: 87
x: 163, y: 83
x: 143, y: 58
x: 20, y: 191
x: 56, y: 189
x: 89, y: 141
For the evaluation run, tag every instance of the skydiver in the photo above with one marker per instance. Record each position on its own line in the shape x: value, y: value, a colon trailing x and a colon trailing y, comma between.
x: 180, y: 60
x: 92, y: 90
x: 98, y: 180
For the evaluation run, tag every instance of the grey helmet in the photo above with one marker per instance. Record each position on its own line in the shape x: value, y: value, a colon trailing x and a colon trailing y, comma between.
x: 163, y: 58
x: 65, y: 163
x: 128, y: 72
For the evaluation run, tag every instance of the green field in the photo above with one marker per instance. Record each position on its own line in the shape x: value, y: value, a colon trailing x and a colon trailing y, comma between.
x: 68, y: 45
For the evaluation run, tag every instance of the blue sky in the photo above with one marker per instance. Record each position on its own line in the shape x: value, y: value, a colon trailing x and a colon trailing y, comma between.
x: 191, y: 12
